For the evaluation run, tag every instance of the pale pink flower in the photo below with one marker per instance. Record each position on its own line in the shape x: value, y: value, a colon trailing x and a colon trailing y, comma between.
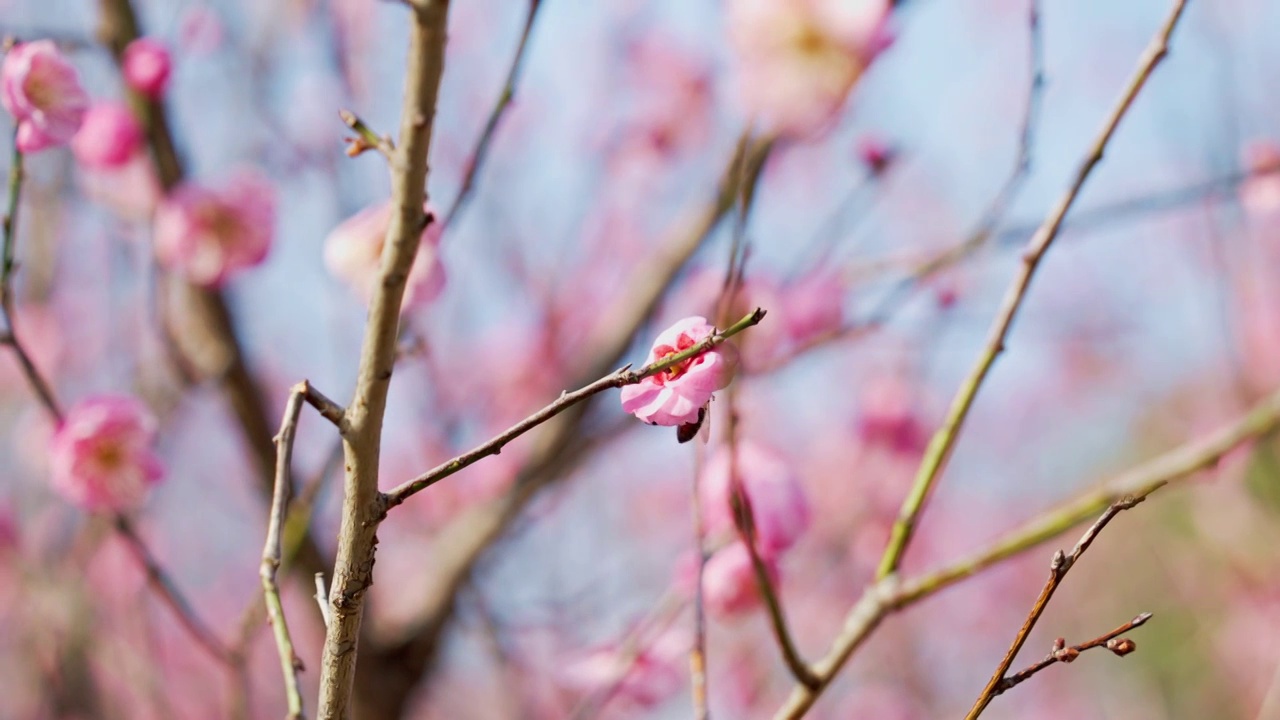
x: 653, y: 676
x: 778, y: 503
x: 890, y: 417
x: 42, y: 91
x: 812, y: 306
x: 729, y: 584
x: 101, y: 456
x: 675, y: 395
x: 132, y: 190
x: 146, y: 66
x: 207, y: 235
x: 798, y: 59
x: 200, y: 30
x: 109, y: 137
x: 1260, y: 194
x: 353, y: 254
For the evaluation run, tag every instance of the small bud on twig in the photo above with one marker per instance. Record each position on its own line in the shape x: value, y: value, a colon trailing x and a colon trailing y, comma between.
x: 1121, y: 646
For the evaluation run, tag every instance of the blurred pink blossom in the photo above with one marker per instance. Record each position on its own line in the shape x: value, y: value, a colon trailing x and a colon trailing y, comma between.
x: 729, y: 583
x: 353, y: 254
x: 798, y: 59
x: 812, y: 306
x: 108, y: 138
x: 42, y: 91
x: 675, y: 395
x: 1260, y: 194
x: 132, y: 190
x: 146, y: 66
x: 655, y: 673
x: 208, y: 235
x: 890, y: 418
x: 101, y: 456
x: 875, y: 153
x: 778, y: 503
x: 200, y: 30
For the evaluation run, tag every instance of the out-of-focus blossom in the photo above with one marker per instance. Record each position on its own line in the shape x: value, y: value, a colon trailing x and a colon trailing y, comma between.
x: 146, y: 66
x: 132, y: 190
x: 41, y: 89
x: 778, y: 503
x: 676, y: 395
x: 353, y: 254
x: 1260, y: 194
x: 889, y: 417
x: 208, y: 235
x: 812, y: 306
x: 101, y: 455
x: 729, y: 584
x: 798, y: 59
x: 674, y: 88
x: 109, y: 137
x: 200, y: 30
x: 653, y: 676
x: 875, y: 153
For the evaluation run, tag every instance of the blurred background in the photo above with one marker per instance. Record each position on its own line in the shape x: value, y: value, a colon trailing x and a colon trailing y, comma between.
x: 1154, y: 319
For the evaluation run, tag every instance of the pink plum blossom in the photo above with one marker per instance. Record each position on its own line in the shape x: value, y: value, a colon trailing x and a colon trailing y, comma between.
x: 798, y: 59
x: 353, y: 254
x: 42, y: 91
x: 109, y: 137
x: 812, y: 306
x: 101, y: 456
x: 779, y: 506
x: 208, y: 235
x: 729, y: 582
x: 653, y: 676
x: 890, y: 416
x: 675, y: 395
x: 146, y: 66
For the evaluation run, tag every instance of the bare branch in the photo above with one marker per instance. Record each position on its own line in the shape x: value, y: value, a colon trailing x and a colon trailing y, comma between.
x: 1062, y: 653
x: 944, y: 440
x: 290, y: 664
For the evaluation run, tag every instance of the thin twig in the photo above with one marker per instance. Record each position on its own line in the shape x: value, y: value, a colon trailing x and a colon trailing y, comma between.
x: 891, y: 594
x: 624, y: 376
x: 508, y: 93
x: 698, y: 651
x: 290, y: 663
x: 1065, y: 654
x: 1058, y: 569
x: 328, y: 409
x: 322, y: 599
x: 366, y: 137
x: 944, y: 440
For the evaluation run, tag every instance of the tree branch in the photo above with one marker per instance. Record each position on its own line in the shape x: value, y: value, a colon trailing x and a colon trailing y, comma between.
x: 944, y: 440
x: 1062, y: 653
x: 889, y: 595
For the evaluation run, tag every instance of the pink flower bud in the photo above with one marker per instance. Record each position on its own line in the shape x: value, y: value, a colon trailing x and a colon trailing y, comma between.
x: 146, y: 66
x: 778, y: 503
x: 101, y: 456
x: 208, y: 235
x: 108, y: 138
x: 42, y: 91
x: 353, y: 254
x: 875, y: 153
x: 675, y: 395
x: 729, y: 582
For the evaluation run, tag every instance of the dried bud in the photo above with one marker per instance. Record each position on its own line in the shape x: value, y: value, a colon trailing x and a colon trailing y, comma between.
x: 1058, y: 645
x: 1066, y: 655
x: 1121, y: 646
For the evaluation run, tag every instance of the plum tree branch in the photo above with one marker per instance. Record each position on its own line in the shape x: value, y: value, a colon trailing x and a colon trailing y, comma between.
x: 890, y: 595
x: 944, y: 440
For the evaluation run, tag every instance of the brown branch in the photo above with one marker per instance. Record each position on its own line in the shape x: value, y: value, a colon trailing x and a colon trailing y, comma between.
x: 1058, y: 570
x: 398, y: 667
x: 290, y: 663
x: 944, y: 440
x: 363, y: 507
x: 891, y: 595
x: 481, y: 151
x: 566, y: 400
x: 1065, y: 654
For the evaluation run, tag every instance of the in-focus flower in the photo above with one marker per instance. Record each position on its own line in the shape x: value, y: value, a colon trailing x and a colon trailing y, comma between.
x: 778, y: 503
x: 108, y: 138
x: 101, y: 456
x: 146, y: 66
x: 676, y: 395
x: 353, y: 254
x: 798, y: 59
x: 207, y: 235
x: 655, y: 673
x: 729, y: 584
x: 41, y: 89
